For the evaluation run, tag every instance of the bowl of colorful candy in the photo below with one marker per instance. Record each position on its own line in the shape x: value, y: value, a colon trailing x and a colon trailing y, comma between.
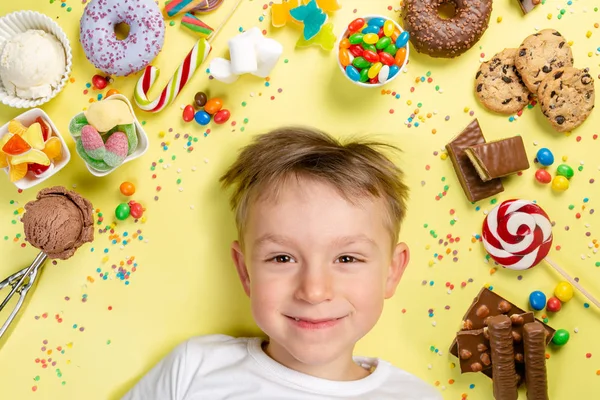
x: 372, y: 50
x: 108, y: 135
x: 32, y: 149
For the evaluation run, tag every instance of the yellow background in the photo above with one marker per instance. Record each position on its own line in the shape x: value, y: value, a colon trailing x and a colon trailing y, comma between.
x: 185, y: 283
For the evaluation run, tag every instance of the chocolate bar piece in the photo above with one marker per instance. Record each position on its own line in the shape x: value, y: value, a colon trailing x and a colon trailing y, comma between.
x: 528, y: 5
x: 475, y: 189
x: 534, y: 340
x: 503, y: 358
x: 499, y: 158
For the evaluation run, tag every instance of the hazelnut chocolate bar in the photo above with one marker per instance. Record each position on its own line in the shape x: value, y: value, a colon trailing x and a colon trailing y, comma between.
x: 499, y: 158
x: 534, y: 340
x: 528, y: 5
x: 475, y: 189
x: 503, y: 358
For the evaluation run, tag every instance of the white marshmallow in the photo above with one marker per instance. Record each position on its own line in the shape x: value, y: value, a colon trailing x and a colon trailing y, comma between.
x: 220, y: 69
x: 242, y: 51
x: 268, y: 52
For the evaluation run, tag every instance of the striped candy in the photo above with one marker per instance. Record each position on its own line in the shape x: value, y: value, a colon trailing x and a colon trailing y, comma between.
x: 193, y: 23
x: 517, y: 234
x: 174, y: 7
x: 181, y: 76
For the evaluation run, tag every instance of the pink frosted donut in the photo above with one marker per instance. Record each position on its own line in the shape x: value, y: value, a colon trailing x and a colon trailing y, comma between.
x: 132, y: 54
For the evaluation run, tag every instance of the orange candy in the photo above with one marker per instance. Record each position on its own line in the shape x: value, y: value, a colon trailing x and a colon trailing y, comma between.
x: 127, y: 188
x: 53, y: 148
x: 16, y: 145
x: 345, y: 44
x: 111, y: 92
x: 400, y: 56
x: 344, y: 57
x: 213, y: 105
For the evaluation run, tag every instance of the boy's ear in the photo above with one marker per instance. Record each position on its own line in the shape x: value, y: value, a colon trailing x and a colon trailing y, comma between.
x: 400, y: 260
x: 240, y: 264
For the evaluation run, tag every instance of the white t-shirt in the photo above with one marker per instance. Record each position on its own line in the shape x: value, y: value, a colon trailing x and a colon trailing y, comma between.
x: 223, y: 367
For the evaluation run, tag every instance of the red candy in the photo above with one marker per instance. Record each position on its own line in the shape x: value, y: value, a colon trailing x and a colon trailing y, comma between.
x: 374, y: 80
x: 371, y: 56
x: 136, y: 209
x: 356, y: 24
x: 222, y: 116
x: 553, y: 304
x: 37, y: 169
x: 356, y: 50
x: 386, y: 58
x: 45, y: 128
x: 188, y: 113
x: 99, y: 82
x: 543, y: 176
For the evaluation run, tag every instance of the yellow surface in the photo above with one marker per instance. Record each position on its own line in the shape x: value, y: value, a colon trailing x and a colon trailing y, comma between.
x: 185, y: 283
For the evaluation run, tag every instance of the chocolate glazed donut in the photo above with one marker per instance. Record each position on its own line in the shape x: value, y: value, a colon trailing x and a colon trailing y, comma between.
x: 448, y: 38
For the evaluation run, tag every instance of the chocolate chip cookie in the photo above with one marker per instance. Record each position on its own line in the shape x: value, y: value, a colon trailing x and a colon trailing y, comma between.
x: 540, y: 55
x: 498, y: 85
x: 567, y: 97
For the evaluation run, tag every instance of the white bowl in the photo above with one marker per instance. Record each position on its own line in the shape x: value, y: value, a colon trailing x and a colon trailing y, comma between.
x: 22, y: 21
x: 30, y: 180
x: 141, y: 148
x: 367, y: 18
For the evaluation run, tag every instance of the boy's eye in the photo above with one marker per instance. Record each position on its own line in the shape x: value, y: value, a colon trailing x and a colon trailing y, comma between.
x: 347, y: 259
x: 282, y: 259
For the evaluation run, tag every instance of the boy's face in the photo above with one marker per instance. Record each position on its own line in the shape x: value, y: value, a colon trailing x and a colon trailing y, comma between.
x: 317, y: 270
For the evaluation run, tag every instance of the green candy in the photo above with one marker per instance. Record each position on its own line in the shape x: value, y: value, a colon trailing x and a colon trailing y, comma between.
x: 364, y: 75
x: 561, y: 337
x: 96, y: 164
x: 356, y: 38
x: 122, y: 211
x: 360, y: 62
x: 77, y: 124
x: 565, y: 170
x: 130, y: 131
x: 391, y: 49
x: 367, y: 46
x: 383, y: 43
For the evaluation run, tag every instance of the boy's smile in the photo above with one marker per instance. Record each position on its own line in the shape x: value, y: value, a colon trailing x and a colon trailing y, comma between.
x: 317, y: 269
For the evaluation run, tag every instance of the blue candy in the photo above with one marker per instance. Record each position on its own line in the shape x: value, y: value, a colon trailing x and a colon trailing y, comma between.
x: 376, y: 22
x: 537, y: 300
x: 202, y: 117
x: 394, y: 69
x: 402, y: 39
x: 545, y: 157
x: 371, y: 29
x: 352, y: 73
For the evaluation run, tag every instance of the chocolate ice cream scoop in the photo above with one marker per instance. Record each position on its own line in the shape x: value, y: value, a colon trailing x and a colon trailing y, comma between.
x: 58, y: 222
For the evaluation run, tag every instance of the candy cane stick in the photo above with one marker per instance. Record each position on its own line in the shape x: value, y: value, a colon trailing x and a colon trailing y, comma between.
x: 182, y: 75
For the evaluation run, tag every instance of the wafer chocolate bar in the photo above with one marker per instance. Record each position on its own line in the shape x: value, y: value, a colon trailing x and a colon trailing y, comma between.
x: 475, y: 189
x: 503, y: 358
x: 534, y: 340
x: 528, y: 5
x: 499, y: 158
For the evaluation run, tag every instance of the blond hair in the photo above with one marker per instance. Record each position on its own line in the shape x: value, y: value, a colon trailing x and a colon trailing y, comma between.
x: 355, y: 168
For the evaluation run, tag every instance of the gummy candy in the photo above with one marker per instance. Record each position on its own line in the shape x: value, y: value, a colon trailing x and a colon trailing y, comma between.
x: 329, y: 5
x: 92, y: 142
x: 16, y: 145
x: 16, y: 127
x: 46, y: 130
x: 38, y: 169
x: 116, y: 149
x: 32, y: 156
x: 325, y: 38
x: 34, y: 136
x: 280, y: 13
x: 77, y: 124
x: 312, y: 17
x: 53, y: 148
x: 130, y: 132
x: 17, y: 172
x: 3, y: 160
x: 96, y: 164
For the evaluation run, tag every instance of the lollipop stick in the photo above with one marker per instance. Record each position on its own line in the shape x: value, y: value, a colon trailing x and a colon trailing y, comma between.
x: 573, y: 282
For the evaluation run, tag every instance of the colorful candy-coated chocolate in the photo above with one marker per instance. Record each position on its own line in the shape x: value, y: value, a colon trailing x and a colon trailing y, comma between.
x: 111, y: 92
x: 127, y: 188
x: 213, y: 105
x: 561, y: 337
x: 565, y: 170
x: 344, y: 57
x: 99, y: 82
x: 222, y: 116
x: 361, y: 63
x: 122, y: 211
x: 356, y: 38
x: 402, y: 39
x: 136, y: 210
x: 543, y: 176
x: 388, y: 28
x: 553, y: 304
x: 400, y: 56
x: 352, y: 73
x: 560, y: 183
x: 384, y: 74
x: 200, y: 99
x: 394, y: 69
x: 370, y: 38
x: 355, y: 25
x: 374, y: 29
x: 563, y: 291
x: 345, y: 43
x: 364, y: 75
x: 202, y: 117
x: 188, y: 113
x: 370, y: 56
x: 374, y: 70
x: 386, y: 58
x: 537, y: 300
x: 356, y: 50
x: 545, y: 157
x: 383, y: 43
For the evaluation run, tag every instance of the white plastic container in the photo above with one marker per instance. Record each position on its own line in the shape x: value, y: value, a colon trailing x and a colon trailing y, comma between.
x: 22, y: 21
x: 30, y: 180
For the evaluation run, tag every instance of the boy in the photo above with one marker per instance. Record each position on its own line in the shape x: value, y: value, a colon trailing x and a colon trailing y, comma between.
x: 318, y: 254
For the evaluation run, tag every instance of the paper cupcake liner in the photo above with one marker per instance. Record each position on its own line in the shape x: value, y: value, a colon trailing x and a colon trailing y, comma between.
x: 22, y: 21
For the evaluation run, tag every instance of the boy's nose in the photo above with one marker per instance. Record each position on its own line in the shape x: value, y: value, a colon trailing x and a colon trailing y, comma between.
x: 315, y: 286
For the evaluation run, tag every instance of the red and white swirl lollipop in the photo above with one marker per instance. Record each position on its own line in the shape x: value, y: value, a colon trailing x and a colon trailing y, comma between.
x: 517, y: 234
